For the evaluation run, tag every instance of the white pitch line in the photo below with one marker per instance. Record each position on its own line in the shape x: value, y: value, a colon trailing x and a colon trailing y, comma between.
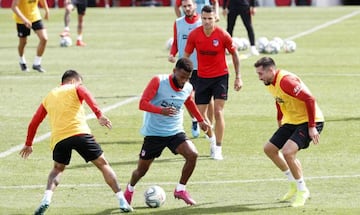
x: 244, y: 181
x: 47, y: 135
x: 327, y: 24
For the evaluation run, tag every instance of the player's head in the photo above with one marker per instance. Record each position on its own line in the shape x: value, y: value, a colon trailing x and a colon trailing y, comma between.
x: 182, y: 72
x: 189, y: 7
x: 265, y: 68
x: 208, y: 17
x: 71, y: 76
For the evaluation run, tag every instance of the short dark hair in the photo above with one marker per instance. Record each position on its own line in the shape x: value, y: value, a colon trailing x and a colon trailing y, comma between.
x: 185, y: 64
x: 70, y: 74
x: 208, y: 9
x: 264, y: 62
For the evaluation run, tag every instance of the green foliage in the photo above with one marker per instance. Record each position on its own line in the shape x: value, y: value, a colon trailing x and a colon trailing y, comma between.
x: 126, y: 47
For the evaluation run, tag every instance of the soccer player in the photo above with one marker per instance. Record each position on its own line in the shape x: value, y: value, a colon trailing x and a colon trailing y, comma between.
x: 182, y: 27
x: 81, y: 9
x: 163, y: 100
x: 69, y: 131
x: 211, y: 43
x: 300, y: 121
x: 27, y: 16
x: 199, y: 5
x: 246, y: 9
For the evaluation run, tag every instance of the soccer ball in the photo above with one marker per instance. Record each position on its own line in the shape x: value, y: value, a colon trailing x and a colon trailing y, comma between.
x: 272, y: 47
x: 261, y: 43
x: 169, y: 43
x: 241, y: 43
x: 154, y: 196
x: 65, y: 41
x: 289, y: 46
x: 279, y: 40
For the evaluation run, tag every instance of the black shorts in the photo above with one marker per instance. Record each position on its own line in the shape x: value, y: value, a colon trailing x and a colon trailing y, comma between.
x: 193, y: 79
x: 154, y: 145
x: 297, y: 133
x: 23, y: 31
x: 80, y: 6
x: 84, y: 144
x: 211, y: 87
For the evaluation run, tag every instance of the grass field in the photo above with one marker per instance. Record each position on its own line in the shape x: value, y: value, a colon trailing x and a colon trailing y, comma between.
x: 126, y: 47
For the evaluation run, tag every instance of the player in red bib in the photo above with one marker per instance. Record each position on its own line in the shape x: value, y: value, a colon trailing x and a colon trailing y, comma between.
x: 211, y: 43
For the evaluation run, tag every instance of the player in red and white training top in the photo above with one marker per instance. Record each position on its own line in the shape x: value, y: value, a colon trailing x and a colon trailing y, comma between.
x: 69, y: 130
x: 211, y: 43
x: 300, y: 121
x: 163, y: 101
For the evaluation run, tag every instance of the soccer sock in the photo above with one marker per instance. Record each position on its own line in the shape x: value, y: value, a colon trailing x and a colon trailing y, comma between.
x: 79, y: 37
x: 194, y: 119
x: 289, y: 176
x: 67, y: 28
x: 37, y: 60
x: 301, y: 186
x: 131, y: 188
x: 212, y: 140
x: 47, y: 196
x: 22, y: 59
x: 119, y: 195
x: 180, y: 187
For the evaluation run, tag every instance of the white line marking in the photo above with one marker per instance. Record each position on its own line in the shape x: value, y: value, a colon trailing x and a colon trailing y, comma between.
x: 244, y: 181
x: 327, y: 24
x: 47, y: 135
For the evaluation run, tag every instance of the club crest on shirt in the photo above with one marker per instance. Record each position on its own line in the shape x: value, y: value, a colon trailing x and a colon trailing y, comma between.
x: 297, y: 89
x: 215, y: 42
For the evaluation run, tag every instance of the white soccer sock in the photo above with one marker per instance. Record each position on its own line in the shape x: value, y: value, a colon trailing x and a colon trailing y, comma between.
x: 22, y: 59
x: 131, y: 188
x: 79, y: 37
x: 180, y: 187
x: 37, y: 60
x: 289, y: 176
x: 47, y: 196
x: 67, y: 28
x: 119, y: 195
x: 194, y: 119
x: 301, y: 184
x: 212, y: 140
x: 218, y: 149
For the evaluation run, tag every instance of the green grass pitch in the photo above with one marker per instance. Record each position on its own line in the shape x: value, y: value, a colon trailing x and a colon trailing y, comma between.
x: 126, y: 47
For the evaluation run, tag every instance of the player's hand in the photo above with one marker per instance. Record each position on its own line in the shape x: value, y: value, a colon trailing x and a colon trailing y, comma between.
x: 104, y: 121
x: 238, y: 83
x: 25, y: 151
x: 217, y: 18
x: 314, y: 135
x: 205, y: 126
x: 27, y: 23
x: 225, y: 12
x: 171, y: 59
x: 168, y: 111
x: 46, y: 16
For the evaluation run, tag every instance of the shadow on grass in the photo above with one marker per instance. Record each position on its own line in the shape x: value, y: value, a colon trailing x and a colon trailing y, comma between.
x: 134, y: 162
x: 241, y: 208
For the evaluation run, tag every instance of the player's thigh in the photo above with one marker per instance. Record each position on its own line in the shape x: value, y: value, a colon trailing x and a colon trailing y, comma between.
x: 87, y: 147
x: 281, y: 135
x: 152, y: 147
x: 22, y: 30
